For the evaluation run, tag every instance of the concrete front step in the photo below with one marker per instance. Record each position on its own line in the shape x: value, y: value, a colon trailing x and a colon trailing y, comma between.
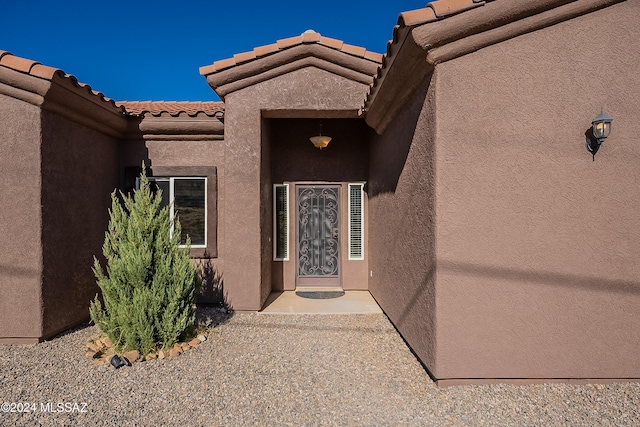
x: 352, y: 302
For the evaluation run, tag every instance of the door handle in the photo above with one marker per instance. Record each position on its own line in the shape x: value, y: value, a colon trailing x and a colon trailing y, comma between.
x: 334, y: 233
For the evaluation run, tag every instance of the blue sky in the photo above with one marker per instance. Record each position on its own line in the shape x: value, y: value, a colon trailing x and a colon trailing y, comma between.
x: 151, y: 50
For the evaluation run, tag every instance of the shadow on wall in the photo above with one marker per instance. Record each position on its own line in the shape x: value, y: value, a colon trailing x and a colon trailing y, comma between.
x: 213, y: 306
x: 591, y: 145
x: 424, y: 290
x: 390, y: 152
x: 212, y: 291
x: 294, y: 158
x: 77, y: 180
x: 541, y: 277
x: 13, y: 271
x: 133, y: 153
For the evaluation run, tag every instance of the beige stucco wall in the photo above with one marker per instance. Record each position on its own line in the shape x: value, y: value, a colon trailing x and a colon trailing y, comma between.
x: 79, y: 172
x: 537, y: 245
x: 168, y: 152
x: 20, y: 222
x: 402, y: 225
x: 248, y: 187
x: 294, y: 160
x: 499, y: 249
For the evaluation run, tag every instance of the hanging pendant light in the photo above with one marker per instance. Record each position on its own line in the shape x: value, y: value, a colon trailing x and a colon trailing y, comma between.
x: 320, y: 141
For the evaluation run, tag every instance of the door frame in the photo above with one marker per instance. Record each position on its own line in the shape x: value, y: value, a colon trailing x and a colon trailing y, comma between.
x: 317, y: 281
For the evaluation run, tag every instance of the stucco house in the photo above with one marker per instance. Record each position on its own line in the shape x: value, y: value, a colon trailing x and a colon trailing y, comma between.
x: 457, y: 187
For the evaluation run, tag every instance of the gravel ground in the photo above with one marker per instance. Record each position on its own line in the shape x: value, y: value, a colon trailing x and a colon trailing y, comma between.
x: 259, y: 369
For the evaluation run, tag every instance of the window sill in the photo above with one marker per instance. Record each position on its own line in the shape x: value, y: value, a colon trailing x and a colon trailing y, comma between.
x: 201, y: 253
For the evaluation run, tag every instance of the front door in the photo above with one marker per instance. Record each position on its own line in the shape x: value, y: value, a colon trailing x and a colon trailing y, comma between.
x: 318, y: 235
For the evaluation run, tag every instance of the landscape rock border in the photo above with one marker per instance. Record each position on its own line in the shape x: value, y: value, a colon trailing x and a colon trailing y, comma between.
x: 101, y: 352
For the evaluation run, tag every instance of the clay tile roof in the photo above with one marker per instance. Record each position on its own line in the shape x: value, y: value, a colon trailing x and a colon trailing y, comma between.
x: 444, y: 8
x: 36, y: 69
x: 173, y: 108
x: 415, y: 17
x: 436, y: 10
x: 433, y: 12
x: 27, y: 66
x: 308, y: 37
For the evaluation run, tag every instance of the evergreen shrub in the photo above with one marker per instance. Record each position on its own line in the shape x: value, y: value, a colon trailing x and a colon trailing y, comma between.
x: 150, y: 283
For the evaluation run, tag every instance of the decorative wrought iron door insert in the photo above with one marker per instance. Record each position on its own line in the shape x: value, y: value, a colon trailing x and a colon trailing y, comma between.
x: 318, y: 233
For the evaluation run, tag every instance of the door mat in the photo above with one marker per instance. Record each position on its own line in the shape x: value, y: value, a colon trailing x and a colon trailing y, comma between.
x: 320, y: 294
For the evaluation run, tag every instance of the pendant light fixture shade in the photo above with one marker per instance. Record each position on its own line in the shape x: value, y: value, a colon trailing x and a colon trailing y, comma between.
x: 320, y: 141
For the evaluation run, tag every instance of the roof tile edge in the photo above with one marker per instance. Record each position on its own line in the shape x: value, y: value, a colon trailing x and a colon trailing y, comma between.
x: 45, y: 72
x: 505, y: 16
x: 433, y: 11
x: 308, y: 37
x: 173, y: 108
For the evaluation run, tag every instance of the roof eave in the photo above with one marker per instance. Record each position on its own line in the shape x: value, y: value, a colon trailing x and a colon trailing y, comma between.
x: 245, y: 70
x: 402, y: 72
x: 426, y: 45
x: 51, y: 89
x: 181, y: 128
x: 81, y: 104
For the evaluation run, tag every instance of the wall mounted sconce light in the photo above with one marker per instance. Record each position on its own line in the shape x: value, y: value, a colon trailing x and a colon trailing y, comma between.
x: 320, y: 141
x: 599, y: 131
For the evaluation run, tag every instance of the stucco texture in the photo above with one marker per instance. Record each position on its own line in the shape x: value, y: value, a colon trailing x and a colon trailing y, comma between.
x: 536, y: 243
x: 499, y: 249
x: 402, y: 224
x: 187, y: 155
x: 294, y: 159
x: 20, y: 222
x: 79, y: 172
x: 248, y: 248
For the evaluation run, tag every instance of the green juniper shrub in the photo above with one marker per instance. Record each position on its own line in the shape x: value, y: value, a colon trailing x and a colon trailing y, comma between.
x: 150, y: 282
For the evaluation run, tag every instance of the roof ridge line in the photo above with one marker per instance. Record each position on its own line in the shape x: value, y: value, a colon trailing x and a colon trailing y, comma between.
x: 307, y: 37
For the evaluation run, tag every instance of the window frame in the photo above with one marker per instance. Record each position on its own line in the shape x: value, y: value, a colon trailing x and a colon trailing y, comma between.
x: 362, y: 222
x: 275, y: 223
x: 172, y: 180
x: 211, y: 173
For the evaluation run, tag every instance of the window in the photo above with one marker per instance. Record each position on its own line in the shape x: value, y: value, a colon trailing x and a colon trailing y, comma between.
x: 356, y: 221
x: 165, y: 177
x: 281, y: 222
x: 187, y: 199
